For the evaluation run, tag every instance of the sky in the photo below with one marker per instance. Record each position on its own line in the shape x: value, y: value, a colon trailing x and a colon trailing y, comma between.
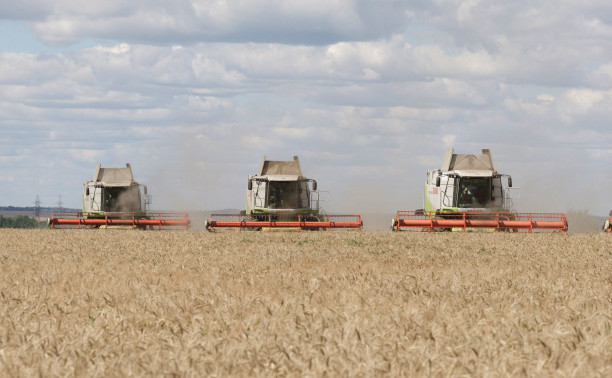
x: 369, y: 95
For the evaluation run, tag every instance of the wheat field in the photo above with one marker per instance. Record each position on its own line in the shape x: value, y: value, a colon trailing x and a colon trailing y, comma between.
x: 112, y: 302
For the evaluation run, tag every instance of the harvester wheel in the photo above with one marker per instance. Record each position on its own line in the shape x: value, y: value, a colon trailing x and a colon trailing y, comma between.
x: 394, y: 224
x: 606, y: 227
x: 439, y: 229
x: 252, y: 218
x: 507, y: 229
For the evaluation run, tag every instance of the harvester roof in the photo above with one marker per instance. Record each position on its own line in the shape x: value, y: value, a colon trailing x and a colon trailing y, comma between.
x: 468, y: 164
x: 114, y: 176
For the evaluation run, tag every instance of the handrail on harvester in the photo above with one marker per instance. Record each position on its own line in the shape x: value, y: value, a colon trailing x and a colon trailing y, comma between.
x: 430, y: 221
x: 110, y: 219
x: 244, y: 222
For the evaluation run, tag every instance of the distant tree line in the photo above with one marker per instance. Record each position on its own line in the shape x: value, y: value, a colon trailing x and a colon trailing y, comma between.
x: 20, y: 221
x: 32, y: 208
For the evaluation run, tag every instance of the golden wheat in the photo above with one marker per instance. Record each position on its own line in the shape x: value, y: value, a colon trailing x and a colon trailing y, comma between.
x: 108, y: 302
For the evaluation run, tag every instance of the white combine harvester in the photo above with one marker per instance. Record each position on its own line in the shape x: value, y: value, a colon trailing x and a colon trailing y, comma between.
x: 114, y: 199
x: 468, y: 193
x: 279, y: 196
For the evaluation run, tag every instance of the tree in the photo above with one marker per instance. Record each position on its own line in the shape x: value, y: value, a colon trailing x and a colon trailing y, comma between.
x: 19, y: 221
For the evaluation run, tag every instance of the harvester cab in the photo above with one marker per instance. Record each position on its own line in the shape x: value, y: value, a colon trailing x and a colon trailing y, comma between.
x: 280, y: 188
x: 467, y: 182
x: 114, y: 190
x: 280, y: 196
x: 467, y: 193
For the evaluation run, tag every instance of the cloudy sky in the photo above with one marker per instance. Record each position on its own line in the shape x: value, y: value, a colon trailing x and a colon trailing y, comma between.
x: 369, y: 94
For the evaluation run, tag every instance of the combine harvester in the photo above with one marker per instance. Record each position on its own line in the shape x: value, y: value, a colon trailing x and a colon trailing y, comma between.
x: 468, y: 194
x: 280, y: 197
x: 114, y: 200
x: 607, y: 227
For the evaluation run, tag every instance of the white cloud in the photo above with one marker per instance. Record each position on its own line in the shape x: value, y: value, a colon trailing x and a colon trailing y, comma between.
x: 601, y: 77
x: 601, y: 154
x: 582, y: 100
x: 90, y: 156
x: 166, y: 22
x: 449, y: 140
x: 193, y: 93
x: 465, y: 11
x: 429, y: 161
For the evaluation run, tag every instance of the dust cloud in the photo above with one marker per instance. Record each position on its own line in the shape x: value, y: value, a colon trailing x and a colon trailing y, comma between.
x: 580, y: 221
x: 582, y: 215
x: 206, y: 178
x: 129, y: 200
x: 376, y: 203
